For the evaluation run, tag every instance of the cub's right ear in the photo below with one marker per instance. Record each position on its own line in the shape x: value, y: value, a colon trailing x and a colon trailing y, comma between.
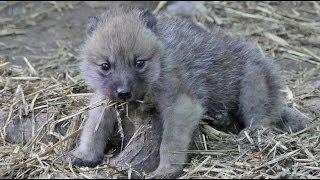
x: 92, y: 24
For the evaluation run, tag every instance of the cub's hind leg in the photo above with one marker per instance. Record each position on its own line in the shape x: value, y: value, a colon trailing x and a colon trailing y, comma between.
x: 260, y: 100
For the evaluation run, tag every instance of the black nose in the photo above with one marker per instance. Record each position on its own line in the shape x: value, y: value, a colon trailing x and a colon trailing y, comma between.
x: 124, y: 94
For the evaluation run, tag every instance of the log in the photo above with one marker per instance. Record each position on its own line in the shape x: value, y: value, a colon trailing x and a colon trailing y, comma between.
x: 142, y: 138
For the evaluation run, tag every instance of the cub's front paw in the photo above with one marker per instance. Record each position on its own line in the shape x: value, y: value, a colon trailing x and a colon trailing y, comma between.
x: 79, y: 158
x: 164, y: 173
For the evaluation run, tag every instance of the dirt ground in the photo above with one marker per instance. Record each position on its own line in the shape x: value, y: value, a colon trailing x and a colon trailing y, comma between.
x: 48, y: 35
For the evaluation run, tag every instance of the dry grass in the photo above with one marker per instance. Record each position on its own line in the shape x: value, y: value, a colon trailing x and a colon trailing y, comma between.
x: 291, y: 33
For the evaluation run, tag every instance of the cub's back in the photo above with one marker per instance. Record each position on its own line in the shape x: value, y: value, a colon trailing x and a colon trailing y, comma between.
x: 211, y: 64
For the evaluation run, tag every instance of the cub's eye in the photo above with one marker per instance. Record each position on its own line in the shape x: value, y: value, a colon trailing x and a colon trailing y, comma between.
x: 105, y: 66
x: 139, y: 63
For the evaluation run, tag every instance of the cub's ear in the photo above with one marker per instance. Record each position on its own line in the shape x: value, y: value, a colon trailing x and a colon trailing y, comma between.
x: 92, y: 24
x: 149, y: 19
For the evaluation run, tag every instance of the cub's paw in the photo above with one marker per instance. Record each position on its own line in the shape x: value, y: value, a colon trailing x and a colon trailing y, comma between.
x: 78, y: 158
x: 164, y: 173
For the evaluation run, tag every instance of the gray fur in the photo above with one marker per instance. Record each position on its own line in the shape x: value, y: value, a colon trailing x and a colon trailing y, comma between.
x: 91, y: 25
x: 93, y: 141
x: 188, y: 72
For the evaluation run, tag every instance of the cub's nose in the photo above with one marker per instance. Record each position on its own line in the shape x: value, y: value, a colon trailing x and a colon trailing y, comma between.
x: 123, y: 94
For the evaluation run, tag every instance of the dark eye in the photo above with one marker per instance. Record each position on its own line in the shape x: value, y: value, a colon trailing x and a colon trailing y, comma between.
x: 105, y: 66
x: 139, y: 63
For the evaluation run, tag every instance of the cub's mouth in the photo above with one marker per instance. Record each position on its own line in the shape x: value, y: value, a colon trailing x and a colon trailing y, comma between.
x: 120, y: 102
x: 124, y: 104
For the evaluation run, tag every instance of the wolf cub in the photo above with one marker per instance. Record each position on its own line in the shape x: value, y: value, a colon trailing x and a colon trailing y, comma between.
x: 185, y: 71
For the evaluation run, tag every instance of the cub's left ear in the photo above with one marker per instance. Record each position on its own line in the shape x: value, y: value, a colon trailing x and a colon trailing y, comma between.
x: 92, y: 24
x: 149, y: 19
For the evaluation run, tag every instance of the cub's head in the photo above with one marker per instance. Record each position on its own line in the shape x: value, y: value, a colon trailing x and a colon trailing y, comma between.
x: 121, y: 54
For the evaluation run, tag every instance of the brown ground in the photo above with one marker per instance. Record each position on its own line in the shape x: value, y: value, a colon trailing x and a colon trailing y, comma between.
x: 49, y: 33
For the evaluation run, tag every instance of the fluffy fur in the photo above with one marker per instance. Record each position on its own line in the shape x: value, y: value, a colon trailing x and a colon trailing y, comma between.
x: 188, y: 72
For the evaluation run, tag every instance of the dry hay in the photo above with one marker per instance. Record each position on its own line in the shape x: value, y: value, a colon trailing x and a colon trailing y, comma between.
x: 63, y: 99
